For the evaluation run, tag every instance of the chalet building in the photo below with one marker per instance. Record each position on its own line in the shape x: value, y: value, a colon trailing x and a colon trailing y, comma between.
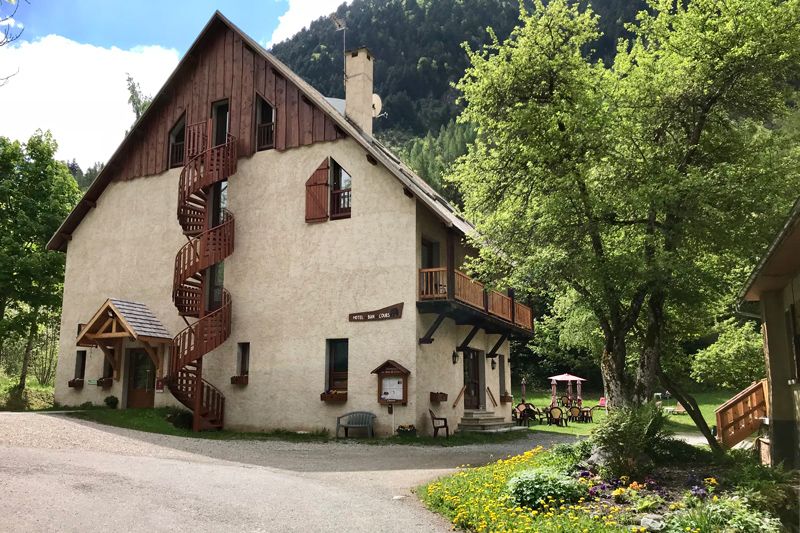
x: 252, y: 252
x: 775, y: 283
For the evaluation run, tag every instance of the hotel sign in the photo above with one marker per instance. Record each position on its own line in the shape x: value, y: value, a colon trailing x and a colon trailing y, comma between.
x: 387, y: 313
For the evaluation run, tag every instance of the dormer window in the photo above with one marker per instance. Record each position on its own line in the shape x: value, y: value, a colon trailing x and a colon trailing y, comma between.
x: 265, y: 125
x: 340, y: 191
x: 177, y: 145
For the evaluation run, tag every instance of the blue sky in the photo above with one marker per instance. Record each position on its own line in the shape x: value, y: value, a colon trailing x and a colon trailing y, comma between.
x: 73, y: 57
x: 126, y: 24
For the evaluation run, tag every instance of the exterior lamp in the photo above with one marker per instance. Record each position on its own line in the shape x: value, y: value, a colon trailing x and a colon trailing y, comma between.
x: 455, y: 357
x: 494, y: 364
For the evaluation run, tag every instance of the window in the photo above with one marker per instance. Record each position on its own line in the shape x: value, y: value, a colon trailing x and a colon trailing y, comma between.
x: 219, y: 114
x: 243, y: 359
x: 430, y: 254
x: 265, y: 125
x: 337, y: 364
x: 340, y: 191
x: 108, y: 370
x: 80, y: 364
x: 177, y: 144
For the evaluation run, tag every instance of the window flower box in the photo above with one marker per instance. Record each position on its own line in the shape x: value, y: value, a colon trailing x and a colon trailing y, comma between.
x: 438, y: 397
x: 76, y: 383
x: 239, y: 380
x: 406, y: 431
x: 333, y: 396
x: 506, y: 398
x: 105, y: 382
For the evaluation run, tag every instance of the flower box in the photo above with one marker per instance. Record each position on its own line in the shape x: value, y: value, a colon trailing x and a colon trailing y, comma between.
x: 333, y: 396
x: 438, y: 397
x: 506, y: 398
x: 239, y: 380
x: 75, y: 383
x: 105, y: 382
x: 407, y: 431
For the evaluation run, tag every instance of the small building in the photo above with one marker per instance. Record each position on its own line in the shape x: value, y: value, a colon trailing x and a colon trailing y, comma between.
x: 251, y: 252
x: 775, y: 284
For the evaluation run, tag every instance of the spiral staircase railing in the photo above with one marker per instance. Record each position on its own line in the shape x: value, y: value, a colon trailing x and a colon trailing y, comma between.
x: 207, y: 246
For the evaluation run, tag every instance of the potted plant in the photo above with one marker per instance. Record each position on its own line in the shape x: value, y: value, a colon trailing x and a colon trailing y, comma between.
x: 76, y: 383
x: 438, y: 397
x: 105, y: 382
x: 506, y: 398
x: 406, y: 430
x: 332, y: 395
x: 239, y: 379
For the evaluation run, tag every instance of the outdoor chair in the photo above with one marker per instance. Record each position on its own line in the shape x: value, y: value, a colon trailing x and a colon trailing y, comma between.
x: 536, y: 414
x: 438, y: 423
x: 356, y: 419
x: 575, y: 415
x: 524, y: 415
x: 679, y: 409
x: 564, y: 400
x: 556, y: 417
x: 588, y: 414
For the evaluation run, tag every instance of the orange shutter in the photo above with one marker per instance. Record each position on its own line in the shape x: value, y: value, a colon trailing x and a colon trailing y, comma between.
x: 317, y: 194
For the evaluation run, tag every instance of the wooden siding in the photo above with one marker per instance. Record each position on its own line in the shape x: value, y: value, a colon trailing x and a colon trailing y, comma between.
x: 222, y: 67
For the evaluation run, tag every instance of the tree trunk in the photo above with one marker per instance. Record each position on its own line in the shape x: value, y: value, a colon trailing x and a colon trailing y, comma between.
x: 650, y: 358
x: 612, y: 365
x: 689, y: 403
x: 3, y: 302
x: 23, y: 376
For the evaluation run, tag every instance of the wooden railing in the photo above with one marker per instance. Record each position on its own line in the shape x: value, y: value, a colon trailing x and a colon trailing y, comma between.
x: 741, y: 416
x: 433, y: 286
x: 205, y: 335
x: 500, y: 305
x: 340, y: 203
x: 176, y: 154
x: 265, y: 136
x: 468, y: 290
x: 196, y: 139
x: 432, y: 283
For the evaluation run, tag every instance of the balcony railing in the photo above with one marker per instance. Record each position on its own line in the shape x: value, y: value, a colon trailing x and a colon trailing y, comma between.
x: 265, y: 137
x: 433, y: 286
x: 176, y: 154
x: 340, y: 203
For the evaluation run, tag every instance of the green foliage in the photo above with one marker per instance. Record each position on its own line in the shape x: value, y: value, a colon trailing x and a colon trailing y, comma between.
x: 138, y: 101
x: 14, y: 399
x: 627, y: 436
x: 650, y: 186
x: 111, y: 402
x: 765, y: 488
x: 84, y: 179
x: 431, y: 157
x: 534, y: 487
x: 735, y: 360
x: 723, y: 514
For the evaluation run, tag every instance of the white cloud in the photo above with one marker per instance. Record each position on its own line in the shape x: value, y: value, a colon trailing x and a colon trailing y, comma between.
x: 10, y: 22
x: 299, y: 15
x: 77, y: 91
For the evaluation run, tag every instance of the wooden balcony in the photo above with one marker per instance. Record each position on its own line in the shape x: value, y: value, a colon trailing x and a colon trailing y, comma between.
x: 340, y: 204
x: 470, y: 303
x: 265, y: 136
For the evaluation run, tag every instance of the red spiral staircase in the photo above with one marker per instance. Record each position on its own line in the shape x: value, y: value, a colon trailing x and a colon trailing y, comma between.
x: 207, y: 246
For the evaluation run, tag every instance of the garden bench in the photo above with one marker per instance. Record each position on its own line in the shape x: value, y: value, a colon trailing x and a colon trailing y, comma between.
x: 356, y: 419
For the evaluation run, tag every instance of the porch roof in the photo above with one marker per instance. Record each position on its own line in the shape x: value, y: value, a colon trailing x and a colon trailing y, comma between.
x: 118, y: 318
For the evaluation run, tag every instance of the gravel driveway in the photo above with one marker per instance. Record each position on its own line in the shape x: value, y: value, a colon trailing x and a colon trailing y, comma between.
x: 62, y: 474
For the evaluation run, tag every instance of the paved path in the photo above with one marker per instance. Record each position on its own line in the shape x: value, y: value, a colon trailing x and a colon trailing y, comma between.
x: 62, y: 474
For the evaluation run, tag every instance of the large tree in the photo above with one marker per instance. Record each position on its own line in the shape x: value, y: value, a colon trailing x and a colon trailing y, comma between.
x: 643, y: 186
x: 36, y: 194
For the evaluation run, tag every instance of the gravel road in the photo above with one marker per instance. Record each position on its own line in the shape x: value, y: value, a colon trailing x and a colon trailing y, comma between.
x: 62, y: 474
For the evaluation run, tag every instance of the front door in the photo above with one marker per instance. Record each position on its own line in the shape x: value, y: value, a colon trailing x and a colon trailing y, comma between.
x: 472, y: 380
x: 141, y: 379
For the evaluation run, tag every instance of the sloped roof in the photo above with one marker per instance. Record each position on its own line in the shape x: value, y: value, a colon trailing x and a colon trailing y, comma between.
x: 143, y: 322
x: 415, y: 184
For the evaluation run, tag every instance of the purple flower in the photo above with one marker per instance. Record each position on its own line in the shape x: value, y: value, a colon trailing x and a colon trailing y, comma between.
x: 585, y: 473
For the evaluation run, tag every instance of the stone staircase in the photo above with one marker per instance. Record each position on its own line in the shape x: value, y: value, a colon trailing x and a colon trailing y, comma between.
x: 478, y: 421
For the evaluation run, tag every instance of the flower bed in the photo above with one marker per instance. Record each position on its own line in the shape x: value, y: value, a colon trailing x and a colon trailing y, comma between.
x: 75, y: 383
x: 239, y: 380
x: 105, y: 382
x: 438, y: 397
x: 548, y: 491
x: 406, y: 430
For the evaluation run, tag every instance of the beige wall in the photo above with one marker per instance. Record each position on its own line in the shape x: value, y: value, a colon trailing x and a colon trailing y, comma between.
x: 293, y: 285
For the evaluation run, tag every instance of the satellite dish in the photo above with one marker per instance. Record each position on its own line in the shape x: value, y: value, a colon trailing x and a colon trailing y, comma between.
x: 376, y: 105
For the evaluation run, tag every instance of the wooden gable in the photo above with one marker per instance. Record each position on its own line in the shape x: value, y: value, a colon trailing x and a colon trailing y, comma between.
x: 221, y: 65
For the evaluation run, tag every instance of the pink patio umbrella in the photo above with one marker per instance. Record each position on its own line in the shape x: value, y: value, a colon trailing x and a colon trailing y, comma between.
x: 523, y: 390
x: 569, y: 378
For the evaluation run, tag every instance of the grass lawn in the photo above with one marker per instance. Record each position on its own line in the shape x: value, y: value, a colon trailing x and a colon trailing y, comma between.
x: 708, y: 402
x: 155, y: 421
x: 30, y: 383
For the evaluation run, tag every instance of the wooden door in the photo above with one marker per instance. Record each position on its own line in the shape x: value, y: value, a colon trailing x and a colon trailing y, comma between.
x: 472, y: 380
x: 141, y: 379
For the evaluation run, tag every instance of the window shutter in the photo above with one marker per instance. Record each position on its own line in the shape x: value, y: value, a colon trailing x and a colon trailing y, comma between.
x: 317, y: 194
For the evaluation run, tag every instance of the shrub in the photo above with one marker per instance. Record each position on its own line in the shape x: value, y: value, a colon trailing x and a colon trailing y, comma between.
x: 111, y: 402
x: 664, y: 448
x: 626, y: 436
x: 765, y: 488
x: 181, y: 419
x: 533, y: 487
x: 86, y: 405
x: 723, y: 514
